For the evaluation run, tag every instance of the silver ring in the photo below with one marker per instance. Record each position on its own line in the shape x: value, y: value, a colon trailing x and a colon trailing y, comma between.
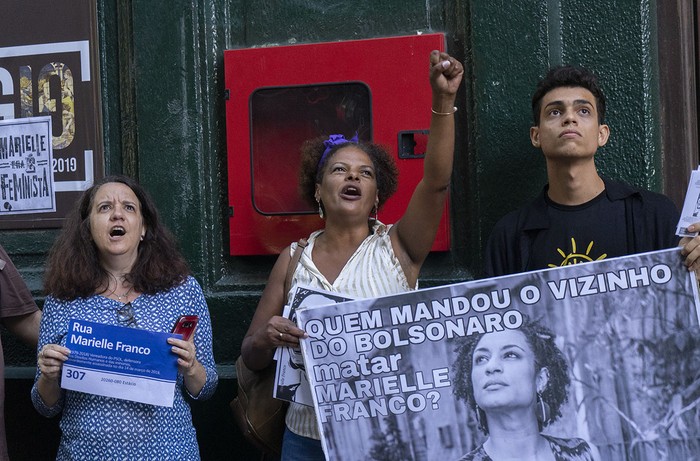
x: 280, y: 335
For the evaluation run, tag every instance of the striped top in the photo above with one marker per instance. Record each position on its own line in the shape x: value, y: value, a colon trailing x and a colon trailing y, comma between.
x: 372, y: 271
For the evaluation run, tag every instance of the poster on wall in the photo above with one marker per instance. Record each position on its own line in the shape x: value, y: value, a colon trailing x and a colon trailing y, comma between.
x: 26, y: 176
x: 604, y: 355
x: 49, y: 68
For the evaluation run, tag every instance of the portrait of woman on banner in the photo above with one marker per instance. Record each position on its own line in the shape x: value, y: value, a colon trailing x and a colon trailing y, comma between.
x: 516, y: 381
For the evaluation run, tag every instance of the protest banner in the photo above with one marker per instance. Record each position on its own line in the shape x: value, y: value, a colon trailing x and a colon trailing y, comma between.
x: 384, y: 372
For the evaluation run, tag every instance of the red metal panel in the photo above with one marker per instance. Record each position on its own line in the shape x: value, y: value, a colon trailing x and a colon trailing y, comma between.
x: 395, y: 70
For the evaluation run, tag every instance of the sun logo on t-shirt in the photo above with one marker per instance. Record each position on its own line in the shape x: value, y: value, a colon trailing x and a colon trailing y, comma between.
x: 576, y: 258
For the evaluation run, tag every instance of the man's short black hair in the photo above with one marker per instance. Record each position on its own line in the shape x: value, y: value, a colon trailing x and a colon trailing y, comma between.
x: 568, y: 76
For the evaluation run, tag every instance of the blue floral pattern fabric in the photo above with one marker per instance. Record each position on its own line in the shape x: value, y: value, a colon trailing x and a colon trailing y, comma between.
x: 96, y: 427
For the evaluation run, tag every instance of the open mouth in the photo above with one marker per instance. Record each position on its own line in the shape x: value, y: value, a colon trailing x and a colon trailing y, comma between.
x: 117, y: 232
x: 351, y: 191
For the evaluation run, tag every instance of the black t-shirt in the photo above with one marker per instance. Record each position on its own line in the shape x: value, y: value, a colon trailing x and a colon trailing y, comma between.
x: 621, y: 221
x: 591, y: 231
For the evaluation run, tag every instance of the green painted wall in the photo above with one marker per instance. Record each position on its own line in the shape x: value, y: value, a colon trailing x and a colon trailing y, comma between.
x: 512, y: 45
x: 162, y: 89
x: 177, y: 78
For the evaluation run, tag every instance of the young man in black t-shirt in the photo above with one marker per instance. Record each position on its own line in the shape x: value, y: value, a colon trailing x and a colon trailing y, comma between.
x: 580, y: 216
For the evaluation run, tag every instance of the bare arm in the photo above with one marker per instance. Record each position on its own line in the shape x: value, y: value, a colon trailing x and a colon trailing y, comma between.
x: 25, y: 327
x: 268, y: 329
x: 413, y: 235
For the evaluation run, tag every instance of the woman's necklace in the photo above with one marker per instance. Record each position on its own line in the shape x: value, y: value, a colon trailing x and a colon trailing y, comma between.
x: 125, y: 295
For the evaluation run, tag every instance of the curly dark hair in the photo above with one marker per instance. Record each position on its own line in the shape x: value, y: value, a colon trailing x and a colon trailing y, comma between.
x: 311, y: 173
x: 547, y: 355
x: 74, y: 270
x: 568, y: 76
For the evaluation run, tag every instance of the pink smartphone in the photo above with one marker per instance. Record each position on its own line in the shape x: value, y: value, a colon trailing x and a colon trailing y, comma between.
x: 185, y: 325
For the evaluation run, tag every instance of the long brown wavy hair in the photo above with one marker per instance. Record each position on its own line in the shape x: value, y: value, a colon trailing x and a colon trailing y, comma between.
x: 74, y: 271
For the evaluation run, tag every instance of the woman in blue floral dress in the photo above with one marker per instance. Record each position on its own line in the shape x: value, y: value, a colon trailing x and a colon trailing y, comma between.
x: 114, y: 263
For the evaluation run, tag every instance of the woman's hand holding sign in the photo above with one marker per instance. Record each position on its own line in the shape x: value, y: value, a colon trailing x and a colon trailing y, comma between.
x: 50, y: 361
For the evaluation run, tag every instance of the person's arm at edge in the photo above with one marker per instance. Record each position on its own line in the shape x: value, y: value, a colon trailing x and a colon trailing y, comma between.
x: 691, y: 250
x: 690, y: 246
x: 25, y: 327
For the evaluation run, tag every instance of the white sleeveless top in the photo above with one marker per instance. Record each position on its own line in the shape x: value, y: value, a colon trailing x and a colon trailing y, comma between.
x: 372, y: 271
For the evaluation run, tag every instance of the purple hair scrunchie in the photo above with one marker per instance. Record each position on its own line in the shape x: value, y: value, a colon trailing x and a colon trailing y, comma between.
x: 332, y: 141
